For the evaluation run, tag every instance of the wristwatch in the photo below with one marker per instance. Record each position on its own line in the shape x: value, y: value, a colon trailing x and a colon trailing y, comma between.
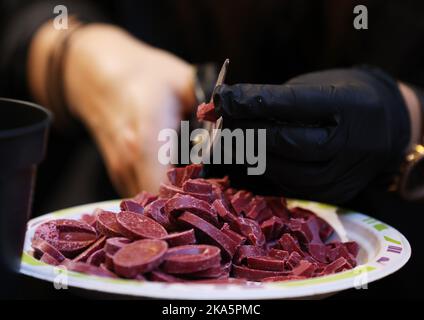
x: 410, y: 182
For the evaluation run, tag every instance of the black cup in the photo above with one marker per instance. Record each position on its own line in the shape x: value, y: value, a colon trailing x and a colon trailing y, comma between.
x: 23, y: 135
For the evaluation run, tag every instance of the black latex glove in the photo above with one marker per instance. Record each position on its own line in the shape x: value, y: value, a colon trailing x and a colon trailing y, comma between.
x: 329, y: 134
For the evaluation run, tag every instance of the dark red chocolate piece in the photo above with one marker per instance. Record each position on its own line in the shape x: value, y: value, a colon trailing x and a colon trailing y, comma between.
x: 107, y: 224
x: 255, y: 274
x: 191, y: 258
x: 304, y: 268
x: 240, y: 201
x: 41, y: 247
x: 278, y: 254
x: 112, y: 245
x: 293, y: 260
x: 266, y: 263
x: 69, y: 237
x: 139, y: 257
x: 272, y: 228
x: 89, y: 269
x: 69, y: 226
x: 136, y: 226
x: 160, y: 276
x: 89, y: 219
x: 197, y: 186
x: 337, y: 266
x: 131, y: 205
x: 180, y: 238
x: 144, y: 198
x: 243, y: 252
x: 278, y: 207
x: 206, y: 112
x: 251, y: 230
x: 177, y: 176
x: 236, y: 237
x: 217, y: 271
x: 97, y: 258
x: 224, y: 213
x: 290, y: 244
x: 46, y: 258
x: 155, y: 210
x: 256, y: 209
x: 167, y: 191
x: 83, y: 256
x: 227, y: 245
x: 180, y: 203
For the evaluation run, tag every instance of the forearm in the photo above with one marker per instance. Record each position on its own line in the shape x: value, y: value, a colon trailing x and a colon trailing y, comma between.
x: 40, y: 49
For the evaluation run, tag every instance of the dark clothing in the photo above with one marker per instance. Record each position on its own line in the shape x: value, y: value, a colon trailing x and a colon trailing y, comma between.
x: 267, y: 42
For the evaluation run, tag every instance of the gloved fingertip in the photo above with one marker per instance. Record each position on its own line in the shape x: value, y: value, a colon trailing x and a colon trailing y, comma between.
x: 221, y: 90
x: 219, y: 98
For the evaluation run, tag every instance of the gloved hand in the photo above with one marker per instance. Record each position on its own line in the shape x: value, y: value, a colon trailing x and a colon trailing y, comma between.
x: 329, y: 133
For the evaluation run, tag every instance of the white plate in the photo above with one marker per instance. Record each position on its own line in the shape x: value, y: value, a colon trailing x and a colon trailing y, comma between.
x: 384, y: 250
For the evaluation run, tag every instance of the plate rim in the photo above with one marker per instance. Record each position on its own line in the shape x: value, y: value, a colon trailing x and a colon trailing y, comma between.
x: 373, y: 270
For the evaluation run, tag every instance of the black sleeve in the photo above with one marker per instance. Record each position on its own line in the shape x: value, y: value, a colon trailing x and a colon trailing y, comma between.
x: 19, y: 20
